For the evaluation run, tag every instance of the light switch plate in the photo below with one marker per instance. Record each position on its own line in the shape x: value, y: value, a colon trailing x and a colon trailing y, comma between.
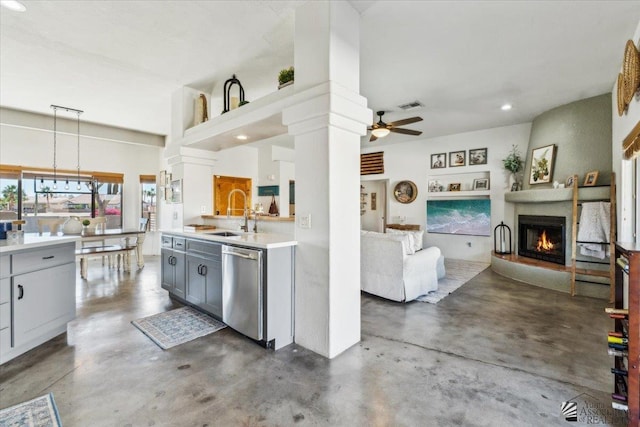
x: 304, y: 221
x: 203, y: 209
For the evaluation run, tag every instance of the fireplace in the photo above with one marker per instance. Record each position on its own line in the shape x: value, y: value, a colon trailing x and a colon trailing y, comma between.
x: 542, y: 237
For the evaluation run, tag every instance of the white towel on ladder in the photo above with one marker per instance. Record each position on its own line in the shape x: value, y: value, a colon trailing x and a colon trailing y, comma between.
x: 595, y: 226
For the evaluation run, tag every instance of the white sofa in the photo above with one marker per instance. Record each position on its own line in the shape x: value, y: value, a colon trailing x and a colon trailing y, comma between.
x: 390, y: 269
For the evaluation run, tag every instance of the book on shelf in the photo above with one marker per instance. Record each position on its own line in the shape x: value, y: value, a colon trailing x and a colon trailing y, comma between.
x: 616, y: 352
x: 618, y: 371
x: 616, y: 334
x: 617, y: 340
x: 618, y: 346
x: 611, y: 310
x: 623, y: 263
x: 620, y: 406
x: 618, y: 396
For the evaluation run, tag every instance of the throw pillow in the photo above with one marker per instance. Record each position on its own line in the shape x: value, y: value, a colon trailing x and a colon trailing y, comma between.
x: 416, y: 237
x: 406, y: 240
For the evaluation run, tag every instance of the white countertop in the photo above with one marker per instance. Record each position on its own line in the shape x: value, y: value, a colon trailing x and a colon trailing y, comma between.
x: 34, y: 240
x: 255, y: 240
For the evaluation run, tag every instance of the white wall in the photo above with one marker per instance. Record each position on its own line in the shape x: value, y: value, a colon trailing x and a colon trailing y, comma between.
x: 372, y: 220
x: 621, y: 126
x: 411, y: 161
x: 33, y: 147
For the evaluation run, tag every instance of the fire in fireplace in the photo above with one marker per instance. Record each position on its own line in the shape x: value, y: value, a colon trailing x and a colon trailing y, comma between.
x: 542, y: 237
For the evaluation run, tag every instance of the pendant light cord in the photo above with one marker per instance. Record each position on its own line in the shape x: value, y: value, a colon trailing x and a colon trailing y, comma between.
x: 55, y: 142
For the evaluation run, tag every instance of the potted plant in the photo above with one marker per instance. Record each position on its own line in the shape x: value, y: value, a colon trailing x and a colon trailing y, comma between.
x: 285, y: 78
x: 514, y: 164
x: 85, y: 225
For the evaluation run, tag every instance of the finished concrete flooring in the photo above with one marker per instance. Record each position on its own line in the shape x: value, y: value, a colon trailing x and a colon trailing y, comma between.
x: 494, y: 353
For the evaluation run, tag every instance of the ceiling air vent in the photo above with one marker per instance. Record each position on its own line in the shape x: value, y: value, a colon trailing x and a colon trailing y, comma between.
x: 411, y: 105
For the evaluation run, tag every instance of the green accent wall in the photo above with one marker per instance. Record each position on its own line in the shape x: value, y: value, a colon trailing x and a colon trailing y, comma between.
x: 581, y: 132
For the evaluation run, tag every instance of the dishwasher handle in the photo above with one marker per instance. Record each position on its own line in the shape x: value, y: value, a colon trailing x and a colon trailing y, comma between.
x: 238, y: 254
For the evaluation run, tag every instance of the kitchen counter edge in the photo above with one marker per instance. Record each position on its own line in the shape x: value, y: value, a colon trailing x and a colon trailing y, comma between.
x: 35, y: 241
x: 255, y: 240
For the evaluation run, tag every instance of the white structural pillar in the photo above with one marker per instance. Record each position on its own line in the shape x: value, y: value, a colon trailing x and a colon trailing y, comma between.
x: 327, y: 123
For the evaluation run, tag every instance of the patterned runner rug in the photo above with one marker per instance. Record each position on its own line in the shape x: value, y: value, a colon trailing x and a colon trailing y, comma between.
x: 459, y: 272
x: 39, y: 412
x: 178, y: 326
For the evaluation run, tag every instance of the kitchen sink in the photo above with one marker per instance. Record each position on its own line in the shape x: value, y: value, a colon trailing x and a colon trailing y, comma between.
x: 223, y: 233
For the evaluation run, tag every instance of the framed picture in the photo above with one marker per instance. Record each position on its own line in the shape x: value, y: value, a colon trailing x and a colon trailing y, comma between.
x: 478, y: 156
x: 176, y: 191
x: 481, y: 184
x: 405, y: 192
x: 515, y: 186
x: 435, y: 186
x: 454, y: 186
x: 569, y: 182
x: 457, y: 158
x: 443, y: 217
x: 542, y: 164
x: 439, y: 161
x: 590, y: 179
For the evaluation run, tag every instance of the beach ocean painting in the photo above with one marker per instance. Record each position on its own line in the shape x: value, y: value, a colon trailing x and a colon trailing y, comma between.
x: 471, y: 217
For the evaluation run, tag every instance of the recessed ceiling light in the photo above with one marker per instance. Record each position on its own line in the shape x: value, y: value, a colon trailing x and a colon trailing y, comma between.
x: 14, y: 5
x: 242, y: 137
x: 506, y: 107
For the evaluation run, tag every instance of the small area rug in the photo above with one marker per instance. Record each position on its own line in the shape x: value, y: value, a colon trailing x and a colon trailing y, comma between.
x: 178, y: 326
x: 459, y: 272
x: 39, y: 412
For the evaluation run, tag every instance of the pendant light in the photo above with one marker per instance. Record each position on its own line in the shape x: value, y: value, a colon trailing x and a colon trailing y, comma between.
x: 55, y: 144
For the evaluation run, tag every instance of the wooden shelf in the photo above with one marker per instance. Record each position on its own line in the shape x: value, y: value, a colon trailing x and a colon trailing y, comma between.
x: 453, y: 194
x: 557, y: 195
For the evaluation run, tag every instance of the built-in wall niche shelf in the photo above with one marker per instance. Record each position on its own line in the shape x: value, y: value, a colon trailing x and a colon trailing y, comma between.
x: 557, y: 195
x: 476, y: 184
x: 257, y: 120
x: 462, y: 194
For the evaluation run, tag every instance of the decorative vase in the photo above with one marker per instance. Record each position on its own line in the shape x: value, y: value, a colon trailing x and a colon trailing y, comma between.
x: 72, y: 226
x: 517, y: 182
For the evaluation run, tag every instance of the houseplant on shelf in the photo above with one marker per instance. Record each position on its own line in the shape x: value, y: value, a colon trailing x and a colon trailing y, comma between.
x: 514, y: 164
x: 285, y: 78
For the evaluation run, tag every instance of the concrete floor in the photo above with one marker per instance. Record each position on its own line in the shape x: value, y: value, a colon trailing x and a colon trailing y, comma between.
x: 494, y: 353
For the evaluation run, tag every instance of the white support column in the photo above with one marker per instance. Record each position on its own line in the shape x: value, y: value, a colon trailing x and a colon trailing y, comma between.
x: 327, y: 127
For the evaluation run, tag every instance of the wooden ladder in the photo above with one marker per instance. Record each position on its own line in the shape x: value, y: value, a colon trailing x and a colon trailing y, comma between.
x: 610, y: 273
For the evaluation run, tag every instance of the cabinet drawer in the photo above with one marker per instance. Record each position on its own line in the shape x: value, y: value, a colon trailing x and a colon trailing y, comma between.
x: 179, y: 244
x: 5, y: 315
x: 207, y: 249
x: 5, y: 290
x: 5, y: 266
x: 43, y: 258
x: 167, y: 242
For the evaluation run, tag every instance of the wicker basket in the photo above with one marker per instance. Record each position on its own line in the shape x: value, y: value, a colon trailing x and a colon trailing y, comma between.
x: 621, y: 104
x: 631, y: 71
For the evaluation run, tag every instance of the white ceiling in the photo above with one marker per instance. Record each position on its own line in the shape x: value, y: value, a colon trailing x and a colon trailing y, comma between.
x: 121, y: 61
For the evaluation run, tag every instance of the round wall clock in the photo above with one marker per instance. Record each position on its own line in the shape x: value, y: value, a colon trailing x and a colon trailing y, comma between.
x: 405, y: 192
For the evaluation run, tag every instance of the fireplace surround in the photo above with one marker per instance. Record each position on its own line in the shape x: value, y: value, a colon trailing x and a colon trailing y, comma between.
x: 542, y: 237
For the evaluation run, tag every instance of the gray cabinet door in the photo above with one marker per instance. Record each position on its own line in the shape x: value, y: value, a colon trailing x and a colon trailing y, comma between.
x: 42, y: 299
x: 180, y: 270
x: 195, y: 280
x: 213, y: 286
x: 168, y: 272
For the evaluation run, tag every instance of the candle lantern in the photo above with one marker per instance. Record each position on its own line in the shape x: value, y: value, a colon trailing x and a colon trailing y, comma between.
x: 227, y: 94
x: 502, y: 239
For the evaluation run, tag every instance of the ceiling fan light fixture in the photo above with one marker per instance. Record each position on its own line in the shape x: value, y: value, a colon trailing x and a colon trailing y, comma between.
x: 380, y: 132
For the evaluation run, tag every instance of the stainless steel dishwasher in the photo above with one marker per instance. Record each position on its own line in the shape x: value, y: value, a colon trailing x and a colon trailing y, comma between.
x: 242, y: 299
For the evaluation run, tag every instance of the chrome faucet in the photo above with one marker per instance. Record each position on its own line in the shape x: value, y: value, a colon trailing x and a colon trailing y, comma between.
x: 245, y: 212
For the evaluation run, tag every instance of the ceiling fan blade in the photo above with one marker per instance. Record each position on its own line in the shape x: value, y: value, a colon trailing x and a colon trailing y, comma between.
x: 373, y: 138
x: 406, y: 121
x: 406, y: 131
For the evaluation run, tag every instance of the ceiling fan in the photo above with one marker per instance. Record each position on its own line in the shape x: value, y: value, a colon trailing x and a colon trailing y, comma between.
x: 382, y: 129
